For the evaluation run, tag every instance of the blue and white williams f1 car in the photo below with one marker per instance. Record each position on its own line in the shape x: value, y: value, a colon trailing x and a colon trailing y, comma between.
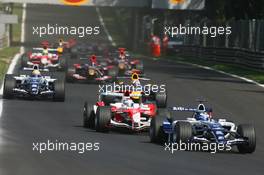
x: 201, y: 128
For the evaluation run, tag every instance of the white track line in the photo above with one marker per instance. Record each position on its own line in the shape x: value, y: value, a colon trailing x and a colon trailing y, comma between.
x: 222, y: 72
x: 231, y: 75
x: 105, y: 29
x: 14, y: 61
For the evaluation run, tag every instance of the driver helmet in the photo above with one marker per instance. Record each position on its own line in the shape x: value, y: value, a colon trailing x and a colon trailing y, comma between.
x: 45, y: 50
x: 36, y: 73
x: 93, y: 60
x: 202, y: 114
x: 122, y: 53
x: 129, y: 102
x: 135, y: 96
x: 60, y: 42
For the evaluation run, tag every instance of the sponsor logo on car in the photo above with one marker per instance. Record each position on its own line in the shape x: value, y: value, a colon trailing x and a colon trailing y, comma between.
x: 175, y: 2
x: 74, y: 2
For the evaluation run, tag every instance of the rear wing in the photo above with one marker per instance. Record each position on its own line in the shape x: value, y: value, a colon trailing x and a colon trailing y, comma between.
x: 31, y: 69
x: 184, y: 109
x: 117, y: 94
x: 179, y: 108
x: 41, y: 49
x: 88, y: 56
x: 129, y: 77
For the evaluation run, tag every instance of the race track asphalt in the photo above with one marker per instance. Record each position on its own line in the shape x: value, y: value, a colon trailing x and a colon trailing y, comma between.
x: 24, y: 122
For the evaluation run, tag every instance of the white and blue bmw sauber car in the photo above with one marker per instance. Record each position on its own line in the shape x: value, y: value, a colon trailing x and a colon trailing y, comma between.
x: 201, y: 128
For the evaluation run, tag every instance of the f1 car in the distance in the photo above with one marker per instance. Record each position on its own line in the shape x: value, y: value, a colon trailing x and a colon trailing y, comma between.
x: 114, y: 110
x: 61, y: 45
x: 46, y: 58
x: 91, y: 71
x: 201, y: 128
x: 82, y: 49
x: 34, y: 86
x: 126, y: 66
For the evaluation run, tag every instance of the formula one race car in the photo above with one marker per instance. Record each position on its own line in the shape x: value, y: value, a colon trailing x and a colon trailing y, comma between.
x: 61, y: 45
x: 125, y: 65
x: 114, y: 110
x: 93, y: 71
x: 150, y: 91
x: 201, y: 128
x: 46, y: 58
x: 34, y: 86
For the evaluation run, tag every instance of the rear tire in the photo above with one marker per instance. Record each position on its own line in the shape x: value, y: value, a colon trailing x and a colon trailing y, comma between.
x: 102, y: 118
x: 59, y: 89
x: 156, y: 133
x: 63, y: 64
x: 161, y: 99
x: 88, y: 116
x: 247, y: 131
x: 9, y: 85
x: 69, y: 74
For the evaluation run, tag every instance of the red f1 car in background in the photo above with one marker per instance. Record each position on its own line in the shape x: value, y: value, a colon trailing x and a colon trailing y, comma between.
x: 91, y: 71
x: 125, y: 65
x: 115, y: 110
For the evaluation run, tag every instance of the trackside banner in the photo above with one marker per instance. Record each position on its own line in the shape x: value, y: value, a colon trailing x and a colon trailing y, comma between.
x: 161, y: 4
x: 124, y: 3
x: 179, y: 4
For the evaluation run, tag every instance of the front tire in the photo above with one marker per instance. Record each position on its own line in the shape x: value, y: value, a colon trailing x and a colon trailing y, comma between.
x: 247, y: 131
x: 103, y: 118
x: 9, y: 85
x: 183, y: 132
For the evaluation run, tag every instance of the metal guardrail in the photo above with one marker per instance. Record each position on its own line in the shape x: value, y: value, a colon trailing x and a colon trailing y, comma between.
x: 234, y: 56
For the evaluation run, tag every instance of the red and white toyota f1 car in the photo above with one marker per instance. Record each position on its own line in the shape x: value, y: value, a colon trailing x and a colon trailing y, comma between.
x: 46, y: 58
x: 114, y: 110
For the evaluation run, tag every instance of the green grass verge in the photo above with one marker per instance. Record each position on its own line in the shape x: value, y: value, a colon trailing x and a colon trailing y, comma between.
x: 7, y: 53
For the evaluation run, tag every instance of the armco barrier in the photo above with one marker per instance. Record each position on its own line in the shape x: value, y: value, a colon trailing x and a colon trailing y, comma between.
x: 250, y: 59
